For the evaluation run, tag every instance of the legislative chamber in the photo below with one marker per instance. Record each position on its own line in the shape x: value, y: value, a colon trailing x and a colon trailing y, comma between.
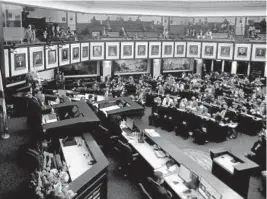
x: 133, y: 99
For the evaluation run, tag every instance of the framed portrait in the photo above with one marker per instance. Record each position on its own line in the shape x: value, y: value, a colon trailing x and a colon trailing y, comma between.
x: 225, y: 51
x: 97, y: 51
x: 258, y: 52
x: 155, y: 49
x: 37, y: 58
x: 51, y: 53
x: 19, y: 61
x: 193, y: 49
x: 6, y: 54
x: 209, y: 50
x: 85, y: 51
x: 179, y: 49
x: 75, y: 53
x: 127, y: 49
x: 64, y: 55
x: 242, y: 52
x: 112, y: 50
x: 167, y: 49
x: 141, y: 50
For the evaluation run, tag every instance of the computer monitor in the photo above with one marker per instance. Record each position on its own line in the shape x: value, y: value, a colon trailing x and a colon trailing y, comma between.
x: 207, y: 190
x: 129, y: 123
x: 185, y: 173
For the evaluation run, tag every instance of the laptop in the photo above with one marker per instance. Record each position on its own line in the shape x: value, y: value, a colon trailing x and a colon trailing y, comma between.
x: 129, y: 126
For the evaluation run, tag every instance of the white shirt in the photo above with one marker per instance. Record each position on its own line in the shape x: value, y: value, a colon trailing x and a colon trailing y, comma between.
x: 167, y: 102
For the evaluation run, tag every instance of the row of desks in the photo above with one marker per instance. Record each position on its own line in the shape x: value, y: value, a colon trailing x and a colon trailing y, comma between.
x: 175, y: 153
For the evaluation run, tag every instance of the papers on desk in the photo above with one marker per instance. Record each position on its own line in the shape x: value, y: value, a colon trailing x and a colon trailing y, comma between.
x: 226, y: 161
x: 110, y: 108
x: 77, y: 158
x: 152, y: 133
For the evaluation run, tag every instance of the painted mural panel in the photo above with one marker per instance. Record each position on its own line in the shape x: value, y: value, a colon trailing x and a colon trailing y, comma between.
x: 176, y: 64
x: 130, y: 66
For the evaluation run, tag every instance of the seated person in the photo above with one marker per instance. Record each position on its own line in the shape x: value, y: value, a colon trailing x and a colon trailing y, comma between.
x: 201, y: 134
x: 258, y: 151
x: 74, y: 113
x: 182, y: 129
x: 167, y: 101
x: 183, y: 103
x: 155, y: 187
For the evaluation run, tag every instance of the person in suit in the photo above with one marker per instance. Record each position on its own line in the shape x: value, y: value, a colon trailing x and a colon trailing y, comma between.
x: 258, y: 151
x: 200, y: 135
x: 154, y: 117
x: 155, y: 187
x: 34, y: 116
x: 167, y: 101
x: 183, y: 130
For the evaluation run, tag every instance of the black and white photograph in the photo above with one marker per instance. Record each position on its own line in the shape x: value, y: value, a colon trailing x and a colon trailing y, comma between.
x: 20, y: 61
x: 154, y: 49
x: 141, y: 50
x: 127, y: 50
x: 167, y: 49
x: 37, y: 61
x: 242, y: 52
x: 133, y: 99
x: 112, y: 50
x: 225, y: 51
x: 85, y: 51
x: 258, y: 52
x: 180, y: 49
x: 193, y: 49
x: 52, y: 56
x: 96, y: 50
x: 209, y: 50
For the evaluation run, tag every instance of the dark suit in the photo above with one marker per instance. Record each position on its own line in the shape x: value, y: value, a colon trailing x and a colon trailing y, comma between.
x: 34, y: 117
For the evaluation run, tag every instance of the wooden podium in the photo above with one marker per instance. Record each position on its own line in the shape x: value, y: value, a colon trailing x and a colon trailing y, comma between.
x: 234, y: 170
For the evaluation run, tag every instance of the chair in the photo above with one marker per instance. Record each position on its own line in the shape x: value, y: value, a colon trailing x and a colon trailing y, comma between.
x: 144, y: 191
x: 127, y: 156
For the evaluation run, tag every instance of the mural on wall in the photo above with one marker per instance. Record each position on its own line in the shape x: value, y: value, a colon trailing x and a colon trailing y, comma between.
x: 201, y: 27
x: 176, y: 64
x: 256, y: 27
x: 84, y: 68
x: 130, y: 66
x: 117, y: 25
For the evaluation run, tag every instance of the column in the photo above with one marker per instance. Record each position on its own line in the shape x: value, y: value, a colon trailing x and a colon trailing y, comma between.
x: 156, y: 67
x: 199, y: 66
x: 248, y: 71
x: 265, y: 70
x: 234, y: 67
x: 106, y: 69
x: 223, y: 62
x: 212, y: 65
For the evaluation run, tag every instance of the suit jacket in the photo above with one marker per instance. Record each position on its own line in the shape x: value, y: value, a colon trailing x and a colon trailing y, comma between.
x: 35, y: 112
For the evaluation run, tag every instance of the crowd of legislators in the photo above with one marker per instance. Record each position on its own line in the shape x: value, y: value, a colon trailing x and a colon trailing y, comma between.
x: 212, y: 108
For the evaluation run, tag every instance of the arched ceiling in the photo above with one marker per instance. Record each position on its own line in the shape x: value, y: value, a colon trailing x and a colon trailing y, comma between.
x: 161, y: 8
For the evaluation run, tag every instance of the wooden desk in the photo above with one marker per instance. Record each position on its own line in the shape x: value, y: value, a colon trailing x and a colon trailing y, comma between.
x: 227, y: 162
x: 109, y: 108
x: 146, y: 151
x: 77, y: 158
